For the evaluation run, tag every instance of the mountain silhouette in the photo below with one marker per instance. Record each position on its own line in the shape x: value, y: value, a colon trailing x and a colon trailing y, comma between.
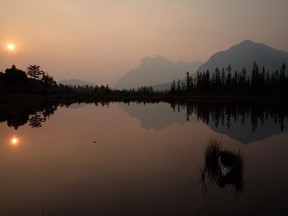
x: 159, y: 72
x: 153, y: 71
x: 244, y: 54
x: 76, y: 82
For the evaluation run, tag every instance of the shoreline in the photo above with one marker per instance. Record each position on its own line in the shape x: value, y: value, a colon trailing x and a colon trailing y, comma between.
x: 92, y: 97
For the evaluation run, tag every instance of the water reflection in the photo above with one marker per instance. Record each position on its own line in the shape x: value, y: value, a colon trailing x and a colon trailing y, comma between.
x: 256, y: 119
x: 35, y: 115
x: 225, y: 113
x: 134, y: 171
x: 223, y: 167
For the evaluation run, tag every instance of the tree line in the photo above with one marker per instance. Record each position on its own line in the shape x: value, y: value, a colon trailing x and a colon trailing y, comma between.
x: 260, y: 82
x: 35, y: 85
x: 224, y: 82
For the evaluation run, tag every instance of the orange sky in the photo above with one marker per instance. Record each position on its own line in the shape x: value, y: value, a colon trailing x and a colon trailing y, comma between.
x: 100, y: 40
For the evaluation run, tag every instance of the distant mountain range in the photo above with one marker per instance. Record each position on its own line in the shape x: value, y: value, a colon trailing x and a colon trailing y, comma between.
x: 244, y: 54
x: 153, y: 71
x: 159, y: 72
x: 76, y: 82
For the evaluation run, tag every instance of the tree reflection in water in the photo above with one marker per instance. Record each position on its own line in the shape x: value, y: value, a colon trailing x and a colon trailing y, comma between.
x: 17, y: 115
x: 217, y: 113
x: 223, y: 167
x: 226, y: 113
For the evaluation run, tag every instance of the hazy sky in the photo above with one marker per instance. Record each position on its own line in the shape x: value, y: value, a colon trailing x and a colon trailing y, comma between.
x: 100, y: 40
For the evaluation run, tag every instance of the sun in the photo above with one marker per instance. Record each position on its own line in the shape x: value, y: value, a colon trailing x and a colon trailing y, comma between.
x: 10, y: 46
x: 14, y: 141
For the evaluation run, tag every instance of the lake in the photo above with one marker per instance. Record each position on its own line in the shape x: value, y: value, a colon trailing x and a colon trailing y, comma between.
x: 143, y: 159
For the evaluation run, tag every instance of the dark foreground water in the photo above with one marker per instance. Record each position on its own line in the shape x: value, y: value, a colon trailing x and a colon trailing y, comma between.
x: 139, y: 160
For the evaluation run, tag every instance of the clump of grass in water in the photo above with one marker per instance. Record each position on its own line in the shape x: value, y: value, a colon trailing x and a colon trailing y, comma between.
x: 211, y: 156
x: 217, y: 160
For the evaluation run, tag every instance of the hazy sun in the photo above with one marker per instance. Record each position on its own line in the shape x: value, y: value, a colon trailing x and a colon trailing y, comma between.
x: 14, y: 141
x: 10, y: 47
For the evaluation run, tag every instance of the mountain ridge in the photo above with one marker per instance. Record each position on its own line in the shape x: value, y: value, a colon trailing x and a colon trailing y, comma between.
x: 157, y: 71
x: 154, y: 71
x: 244, y: 54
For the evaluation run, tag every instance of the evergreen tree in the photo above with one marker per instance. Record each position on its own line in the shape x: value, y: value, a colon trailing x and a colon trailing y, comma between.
x: 48, y: 80
x: 173, y: 87
x: 229, y: 78
x: 34, y: 71
x: 255, y: 76
x: 223, y: 78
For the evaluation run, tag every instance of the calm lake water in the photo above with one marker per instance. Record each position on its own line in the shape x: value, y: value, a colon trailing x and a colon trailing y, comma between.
x: 135, y: 159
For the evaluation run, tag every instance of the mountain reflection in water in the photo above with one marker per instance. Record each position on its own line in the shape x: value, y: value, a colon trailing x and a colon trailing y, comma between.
x: 131, y: 170
x: 257, y: 120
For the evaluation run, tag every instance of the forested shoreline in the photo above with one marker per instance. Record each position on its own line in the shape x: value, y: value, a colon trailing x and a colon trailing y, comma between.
x: 224, y: 84
x: 32, y: 96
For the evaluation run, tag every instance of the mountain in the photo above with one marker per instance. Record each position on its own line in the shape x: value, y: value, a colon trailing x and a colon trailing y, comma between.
x: 159, y: 72
x: 76, y: 82
x: 244, y: 54
x: 153, y: 71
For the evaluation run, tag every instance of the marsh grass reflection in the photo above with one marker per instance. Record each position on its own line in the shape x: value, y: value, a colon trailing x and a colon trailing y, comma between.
x: 223, y: 167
